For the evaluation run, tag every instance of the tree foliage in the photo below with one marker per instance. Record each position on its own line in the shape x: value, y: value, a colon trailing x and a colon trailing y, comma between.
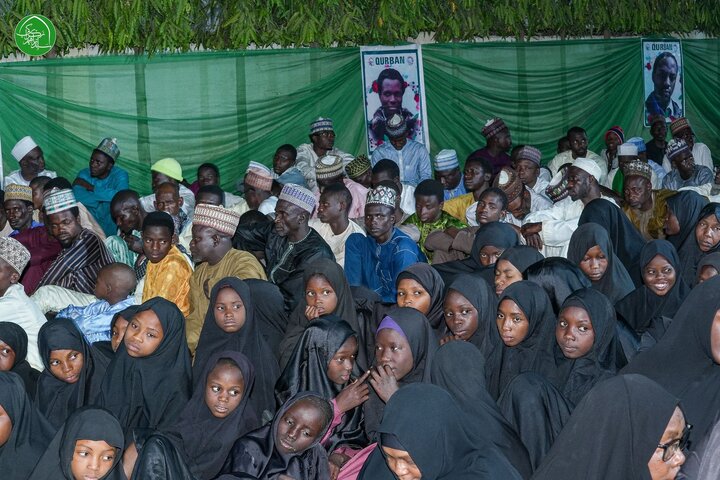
x: 176, y: 25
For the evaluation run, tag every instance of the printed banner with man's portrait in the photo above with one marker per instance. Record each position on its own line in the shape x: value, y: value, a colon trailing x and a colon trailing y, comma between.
x: 393, y: 84
x: 663, y: 80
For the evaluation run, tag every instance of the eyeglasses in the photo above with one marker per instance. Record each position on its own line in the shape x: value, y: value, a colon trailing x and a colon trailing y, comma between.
x: 671, y: 449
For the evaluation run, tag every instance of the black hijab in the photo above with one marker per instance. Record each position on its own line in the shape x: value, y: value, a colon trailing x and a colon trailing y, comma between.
x: 30, y: 433
x: 683, y: 362
x: 690, y: 253
x: 624, y: 236
x: 272, y: 317
x: 616, y: 282
x: 521, y: 256
x: 497, y: 234
x: 55, y: 398
x: 87, y: 423
x: 104, y: 347
x: 433, y: 283
x: 200, y: 440
x: 613, y: 432
x: 307, y: 371
x: 150, y: 392
x: 16, y: 338
x: 532, y: 354
x: 427, y: 423
x: 255, y: 455
x: 423, y: 344
x: 643, y: 310
x: 460, y: 369
x: 482, y: 297
x: 574, y: 378
x: 687, y: 207
x: 248, y: 340
x: 559, y: 277
x: 709, y: 260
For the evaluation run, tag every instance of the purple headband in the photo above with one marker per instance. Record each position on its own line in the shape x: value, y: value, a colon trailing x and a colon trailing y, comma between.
x: 390, y: 323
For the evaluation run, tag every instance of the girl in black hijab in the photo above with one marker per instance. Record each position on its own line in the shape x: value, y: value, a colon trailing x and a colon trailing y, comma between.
x: 13, y: 355
x: 197, y: 444
x: 511, y: 265
x: 707, y: 268
x: 704, y: 240
x: 470, y: 308
x: 118, y: 325
x: 326, y: 292
x: 649, y: 308
x: 491, y: 240
x: 289, y: 446
x: 425, y: 435
x: 627, y: 241
x: 460, y: 369
x: 89, y: 444
x: 421, y: 287
x: 24, y: 432
x: 525, y: 324
x: 616, y: 432
x: 73, y: 371
x: 686, y: 360
x: 683, y: 213
x: 148, y: 382
x: 559, y: 277
x: 405, y: 347
x: 591, y: 250
x: 231, y: 324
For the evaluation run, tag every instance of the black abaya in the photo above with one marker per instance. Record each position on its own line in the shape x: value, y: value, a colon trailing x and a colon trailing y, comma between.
x: 433, y: 283
x: 16, y: 338
x: 559, y: 277
x: 687, y: 207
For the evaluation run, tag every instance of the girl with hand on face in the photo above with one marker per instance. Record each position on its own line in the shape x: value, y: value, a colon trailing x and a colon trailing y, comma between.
x: 197, y: 444
x: 149, y: 381
x: 88, y: 446
x: 421, y: 287
x: 231, y: 323
x: 73, y: 371
x: 13, y: 355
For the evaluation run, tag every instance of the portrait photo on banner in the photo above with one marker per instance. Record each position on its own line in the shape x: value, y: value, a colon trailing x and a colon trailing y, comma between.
x: 663, y: 79
x: 393, y: 83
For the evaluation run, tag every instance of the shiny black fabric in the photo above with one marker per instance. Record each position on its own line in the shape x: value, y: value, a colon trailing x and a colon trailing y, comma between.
x: 433, y: 283
x: 55, y: 398
x: 307, y: 371
x: 687, y: 207
x: 30, y: 434
x: 272, y: 317
x: 16, y: 338
x: 248, y: 340
x: 710, y: 260
x: 521, y: 257
x: 559, y: 277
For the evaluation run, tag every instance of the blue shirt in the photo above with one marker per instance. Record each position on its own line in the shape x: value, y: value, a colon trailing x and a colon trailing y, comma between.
x: 413, y: 160
x: 98, y: 201
x: 94, y: 320
x: 375, y: 265
x: 457, y: 191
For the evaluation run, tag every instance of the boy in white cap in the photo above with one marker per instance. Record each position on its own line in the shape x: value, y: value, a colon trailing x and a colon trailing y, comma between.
x: 32, y: 163
x: 447, y: 172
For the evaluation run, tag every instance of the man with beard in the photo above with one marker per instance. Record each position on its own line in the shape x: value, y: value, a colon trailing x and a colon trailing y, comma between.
x: 686, y: 174
x: 32, y: 163
x: 578, y: 149
x: 646, y: 208
x: 128, y: 214
x: 322, y: 142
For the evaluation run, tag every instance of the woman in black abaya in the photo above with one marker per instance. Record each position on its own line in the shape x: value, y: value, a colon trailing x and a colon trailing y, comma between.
x: 683, y: 213
x: 421, y: 287
x: 15, y: 358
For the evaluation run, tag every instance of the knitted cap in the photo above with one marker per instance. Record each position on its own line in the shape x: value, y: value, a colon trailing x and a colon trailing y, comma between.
x: 14, y: 253
x: 358, y: 166
x: 557, y: 188
x: 381, y: 196
x: 638, y: 168
x: 18, y: 192
x: 221, y: 219
x: 169, y: 167
x: 396, y: 126
x: 639, y: 143
x: 529, y: 153
x: 509, y: 182
x: 58, y: 200
x: 299, y: 196
x: 109, y: 147
x: 627, y: 150
x: 493, y: 127
x: 675, y: 147
x: 446, y: 160
x: 321, y: 125
x: 618, y: 132
x: 23, y: 147
x: 260, y: 179
x: 678, y: 125
x: 329, y: 166
x: 589, y: 166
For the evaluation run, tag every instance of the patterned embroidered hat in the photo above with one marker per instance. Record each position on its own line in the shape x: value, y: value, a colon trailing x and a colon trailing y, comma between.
x: 329, y: 166
x: 675, y: 147
x: 396, y: 126
x: 59, y: 200
x: 678, y: 125
x: 18, y: 192
x: 530, y: 153
x: 109, y: 147
x: 23, y: 147
x: 509, y: 182
x: 557, y: 188
x: 14, y: 253
x: 260, y: 179
x: 321, y: 125
x: 493, y: 127
x: 358, y: 166
x: 299, y: 196
x: 221, y: 219
x: 638, y: 168
x: 446, y: 160
x: 381, y: 195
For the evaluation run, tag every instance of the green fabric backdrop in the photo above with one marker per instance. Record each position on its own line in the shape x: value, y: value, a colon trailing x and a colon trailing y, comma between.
x: 233, y: 107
